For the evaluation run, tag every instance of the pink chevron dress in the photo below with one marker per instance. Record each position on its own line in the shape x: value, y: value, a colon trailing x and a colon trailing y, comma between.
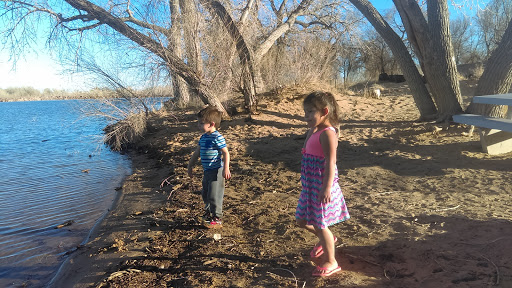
x: 309, y: 207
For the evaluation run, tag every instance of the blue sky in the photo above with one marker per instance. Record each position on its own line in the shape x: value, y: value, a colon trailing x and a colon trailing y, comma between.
x: 40, y: 70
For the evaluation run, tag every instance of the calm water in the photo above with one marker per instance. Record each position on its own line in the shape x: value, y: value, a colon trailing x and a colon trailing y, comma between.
x: 45, y: 149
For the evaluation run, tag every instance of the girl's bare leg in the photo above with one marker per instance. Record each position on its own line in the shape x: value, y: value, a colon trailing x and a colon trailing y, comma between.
x: 310, y: 228
x: 327, y: 242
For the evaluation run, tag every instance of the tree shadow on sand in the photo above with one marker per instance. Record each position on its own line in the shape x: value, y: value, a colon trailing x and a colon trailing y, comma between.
x: 414, y: 160
x: 435, y: 251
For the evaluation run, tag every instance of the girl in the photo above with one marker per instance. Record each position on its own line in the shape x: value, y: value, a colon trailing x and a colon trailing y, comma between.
x: 321, y: 203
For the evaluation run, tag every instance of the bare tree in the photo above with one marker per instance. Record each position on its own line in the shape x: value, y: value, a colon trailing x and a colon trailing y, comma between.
x: 244, y: 52
x: 461, y: 39
x: 432, y: 46
x: 419, y: 91
x: 431, y: 40
x: 492, y: 22
x: 377, y: 57
x: 497, y: 76
x: 86, y: 16
x: 180, y: 88
x: 251, y: 56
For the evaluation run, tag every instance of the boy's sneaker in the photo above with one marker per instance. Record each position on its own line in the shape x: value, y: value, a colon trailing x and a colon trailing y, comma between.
x: 215, y: 222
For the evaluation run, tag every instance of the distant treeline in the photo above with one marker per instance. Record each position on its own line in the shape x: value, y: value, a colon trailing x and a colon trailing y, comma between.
x: 32, y: 94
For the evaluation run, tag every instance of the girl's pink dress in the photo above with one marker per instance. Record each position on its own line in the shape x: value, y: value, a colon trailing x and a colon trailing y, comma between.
x: 309, y: 207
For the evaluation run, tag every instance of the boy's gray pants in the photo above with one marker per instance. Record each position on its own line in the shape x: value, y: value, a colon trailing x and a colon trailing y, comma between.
x: 213, y: 191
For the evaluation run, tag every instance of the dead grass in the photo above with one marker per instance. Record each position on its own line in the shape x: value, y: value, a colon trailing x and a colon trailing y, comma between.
x: 119, y: 135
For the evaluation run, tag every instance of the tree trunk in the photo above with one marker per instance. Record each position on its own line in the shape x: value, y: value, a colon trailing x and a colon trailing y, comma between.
x: 258, y: 78
x: 190, y: 21
x: 497, y: 77
x: 418, y: 89
x: 446, y: 85
x: 166, y: 54
x: 281, y: 29
x: 432, y: 45
x: 244, y: 53
x: 190, y: 24
x: 180, y: 87
x: 233, y: 52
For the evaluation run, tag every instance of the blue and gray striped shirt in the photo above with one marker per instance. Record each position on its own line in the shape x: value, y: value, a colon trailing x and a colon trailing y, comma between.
x: 211, y: 156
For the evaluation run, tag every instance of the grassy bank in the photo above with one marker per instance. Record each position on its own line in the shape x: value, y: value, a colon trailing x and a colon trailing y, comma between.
x: 32, y: 94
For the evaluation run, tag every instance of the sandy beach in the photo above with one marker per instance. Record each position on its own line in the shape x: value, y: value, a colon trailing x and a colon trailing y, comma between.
x: 428, y: 207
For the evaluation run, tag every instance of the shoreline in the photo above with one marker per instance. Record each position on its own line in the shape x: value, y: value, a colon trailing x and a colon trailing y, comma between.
x: 79, y: 269
x: 94, y: 232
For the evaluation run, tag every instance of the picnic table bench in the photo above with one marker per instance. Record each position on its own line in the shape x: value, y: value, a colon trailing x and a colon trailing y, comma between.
x: 498, y: 140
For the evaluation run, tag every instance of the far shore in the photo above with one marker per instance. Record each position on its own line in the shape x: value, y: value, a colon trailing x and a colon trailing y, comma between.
x: 20, y: 94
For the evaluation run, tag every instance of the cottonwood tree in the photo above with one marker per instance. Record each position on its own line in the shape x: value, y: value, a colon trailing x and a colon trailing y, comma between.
x: 430, y: 39
x: 243, y: 50
x: 252, y: 48
x: 497, y: 76
x: 492, y: 22
x: 148, y: 28
x: 180, y: 87
x: 432, y: 46
x: 495, y: 22
x: 419, y: 91
x: 184, y: 36
x: 464, y: 47
x: 169, y: 31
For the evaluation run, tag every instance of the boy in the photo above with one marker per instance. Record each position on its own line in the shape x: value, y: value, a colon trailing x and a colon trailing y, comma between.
x: 211, y: 145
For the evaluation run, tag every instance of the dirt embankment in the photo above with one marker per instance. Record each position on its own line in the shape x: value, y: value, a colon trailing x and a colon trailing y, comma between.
x: 428, y: 208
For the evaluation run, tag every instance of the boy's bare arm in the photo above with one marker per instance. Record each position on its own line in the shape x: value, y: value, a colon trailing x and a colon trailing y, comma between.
x: 225, y: 153
x: 193, y: 160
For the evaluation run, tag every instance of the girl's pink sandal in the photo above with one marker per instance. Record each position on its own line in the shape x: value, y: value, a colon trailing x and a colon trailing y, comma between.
x: 318, y: 250
x: 325, y: 271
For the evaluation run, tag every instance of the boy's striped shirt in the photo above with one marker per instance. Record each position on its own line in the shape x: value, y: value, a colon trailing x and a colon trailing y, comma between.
x: 211, y: 157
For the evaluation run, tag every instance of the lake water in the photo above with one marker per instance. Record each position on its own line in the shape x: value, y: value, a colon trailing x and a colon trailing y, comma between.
x: 53, y: 169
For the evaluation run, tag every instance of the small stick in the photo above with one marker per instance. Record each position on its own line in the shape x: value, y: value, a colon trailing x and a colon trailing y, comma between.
x: 485, y: 243
x: 165, y: 181
x: 284, y: 209
x: 174, y: 190
x: 390, y: 192
x: 446, y: 209
x: 386, y: 275
x: 497, y: 270
x: 294, y: 278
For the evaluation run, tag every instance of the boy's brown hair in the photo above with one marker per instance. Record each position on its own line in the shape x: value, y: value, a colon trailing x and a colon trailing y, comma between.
x: 210, y: 114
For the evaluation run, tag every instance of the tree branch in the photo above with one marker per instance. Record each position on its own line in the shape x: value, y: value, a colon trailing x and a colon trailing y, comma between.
x: 313, y: 23
x: 263, y: 48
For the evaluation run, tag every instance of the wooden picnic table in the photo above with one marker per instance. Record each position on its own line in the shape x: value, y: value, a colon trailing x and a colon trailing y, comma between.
x: 498, y: 140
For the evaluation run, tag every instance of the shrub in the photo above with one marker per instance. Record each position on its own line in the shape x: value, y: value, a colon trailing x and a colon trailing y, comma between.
x: 120, y: 135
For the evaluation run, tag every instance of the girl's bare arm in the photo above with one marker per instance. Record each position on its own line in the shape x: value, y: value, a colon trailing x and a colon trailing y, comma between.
x: 329, y: 141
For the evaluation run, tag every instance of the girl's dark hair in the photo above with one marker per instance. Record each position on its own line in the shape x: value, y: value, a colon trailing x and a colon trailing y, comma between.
x: 321, y: 100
